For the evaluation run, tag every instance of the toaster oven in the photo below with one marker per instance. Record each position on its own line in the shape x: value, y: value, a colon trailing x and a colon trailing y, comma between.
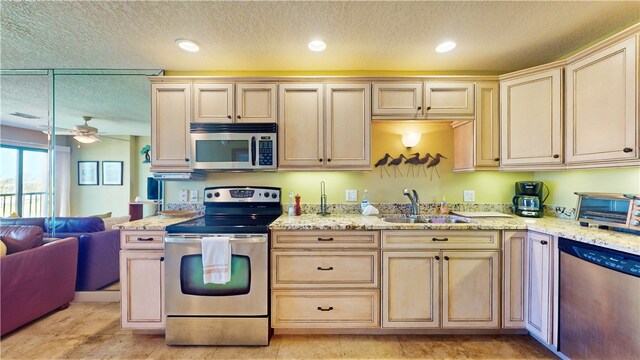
x: 611, y: 210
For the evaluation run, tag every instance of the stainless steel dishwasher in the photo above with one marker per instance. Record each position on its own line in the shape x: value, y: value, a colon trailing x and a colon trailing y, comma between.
x: 599, y: 315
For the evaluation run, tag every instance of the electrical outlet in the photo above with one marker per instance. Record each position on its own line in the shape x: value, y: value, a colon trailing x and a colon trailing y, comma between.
x: 184, y: 195
x: 351, y: 195
x: 469, y: 195
x: 193, y: 195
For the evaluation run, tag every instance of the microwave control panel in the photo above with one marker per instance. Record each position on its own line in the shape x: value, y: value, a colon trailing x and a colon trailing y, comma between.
x: 265, y: 152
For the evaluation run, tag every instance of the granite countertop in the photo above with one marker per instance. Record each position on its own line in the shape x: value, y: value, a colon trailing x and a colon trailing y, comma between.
x: 569, y: 229
x: 151, y: 223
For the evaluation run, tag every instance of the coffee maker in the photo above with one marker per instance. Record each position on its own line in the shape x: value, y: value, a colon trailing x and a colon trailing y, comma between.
x: 529, y: 198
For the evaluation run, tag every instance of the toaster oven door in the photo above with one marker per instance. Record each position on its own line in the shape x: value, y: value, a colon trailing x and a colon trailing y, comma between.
x: 604, y: 210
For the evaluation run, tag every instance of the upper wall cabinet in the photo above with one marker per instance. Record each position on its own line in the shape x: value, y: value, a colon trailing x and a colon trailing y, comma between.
x: 531, y: 120
x: 476, y: 144
x: 602, y: 105
x: 170, y: 116
x: 449, y: 100
x: 418, y: 100
x: 254, y: 103
x: 323, y: 133
x: 397, y: 99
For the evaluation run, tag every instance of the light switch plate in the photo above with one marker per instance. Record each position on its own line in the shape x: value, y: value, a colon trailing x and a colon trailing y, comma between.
x: 184, y: 195
x: 193, y: 195
x: 469, y: 195
x: 352, y: 195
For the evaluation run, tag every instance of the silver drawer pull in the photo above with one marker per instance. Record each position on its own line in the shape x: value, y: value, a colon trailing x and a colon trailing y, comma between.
x: 325, y: 239
x: 325, y: 309
x: 325, y: 269
x: 145, y: 239
x: 443, y: 239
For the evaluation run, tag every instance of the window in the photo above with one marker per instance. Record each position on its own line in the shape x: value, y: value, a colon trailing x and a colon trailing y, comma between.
x: 23, y: 181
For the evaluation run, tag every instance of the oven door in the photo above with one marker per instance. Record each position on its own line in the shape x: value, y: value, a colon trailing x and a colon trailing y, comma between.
x: 245, y: 294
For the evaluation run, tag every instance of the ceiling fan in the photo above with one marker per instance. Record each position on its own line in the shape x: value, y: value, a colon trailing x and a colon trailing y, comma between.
x: 83, y: 133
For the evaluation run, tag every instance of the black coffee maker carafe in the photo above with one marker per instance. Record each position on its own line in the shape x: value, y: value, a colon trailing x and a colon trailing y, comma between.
x: 529, y: 198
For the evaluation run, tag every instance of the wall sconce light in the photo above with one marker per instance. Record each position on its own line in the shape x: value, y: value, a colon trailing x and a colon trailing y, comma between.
x: 410, y: 139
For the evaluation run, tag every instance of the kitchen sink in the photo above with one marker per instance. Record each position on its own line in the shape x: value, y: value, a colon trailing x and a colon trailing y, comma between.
x: 425, y: 219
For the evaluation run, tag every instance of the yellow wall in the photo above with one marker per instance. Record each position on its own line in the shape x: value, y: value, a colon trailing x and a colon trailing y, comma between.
x: 490, y: 187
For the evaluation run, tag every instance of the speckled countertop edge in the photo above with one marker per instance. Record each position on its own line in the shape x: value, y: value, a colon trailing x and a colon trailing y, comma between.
x: 569, y: 229
x: 151, y: 223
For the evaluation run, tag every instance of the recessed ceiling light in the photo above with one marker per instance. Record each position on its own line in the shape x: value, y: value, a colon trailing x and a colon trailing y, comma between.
x: 446, y: 46
x: 317, y: 45
x: 188, y: 45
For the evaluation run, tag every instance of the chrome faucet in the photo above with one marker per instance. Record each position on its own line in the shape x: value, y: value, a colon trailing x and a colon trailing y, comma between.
x: 415, y: 201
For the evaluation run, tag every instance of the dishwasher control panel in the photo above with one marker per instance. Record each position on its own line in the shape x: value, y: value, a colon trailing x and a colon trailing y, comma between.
x: 615, y: 260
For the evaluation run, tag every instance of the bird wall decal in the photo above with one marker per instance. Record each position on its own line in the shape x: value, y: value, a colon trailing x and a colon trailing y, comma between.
x: 380, y: 163
x: 423, y: 161
x: 434, y: 164
x: 395, y: 162
x: 413, y: 161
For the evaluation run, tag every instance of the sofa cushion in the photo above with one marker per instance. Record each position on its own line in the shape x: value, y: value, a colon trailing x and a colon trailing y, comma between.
x: 18, y: 238
x: 74, y: 224
x: 23, y: 221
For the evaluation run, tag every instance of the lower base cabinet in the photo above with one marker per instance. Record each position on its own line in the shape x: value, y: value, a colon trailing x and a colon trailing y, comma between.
x: 464, y: 282
x: 539, y: 286
x: 142, y: 274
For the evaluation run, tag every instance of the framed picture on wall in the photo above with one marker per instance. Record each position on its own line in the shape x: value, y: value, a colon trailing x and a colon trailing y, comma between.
x: 88, y: 173
x: 112, y: 173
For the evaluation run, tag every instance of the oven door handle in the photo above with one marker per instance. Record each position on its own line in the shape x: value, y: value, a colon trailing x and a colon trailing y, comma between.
x: 198, y: 240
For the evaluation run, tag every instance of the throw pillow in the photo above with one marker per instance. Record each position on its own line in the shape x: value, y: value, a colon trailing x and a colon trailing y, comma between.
x: 102, y: 216
x: 3, y: 248
x: 110, y: 222
x: 14, y: 215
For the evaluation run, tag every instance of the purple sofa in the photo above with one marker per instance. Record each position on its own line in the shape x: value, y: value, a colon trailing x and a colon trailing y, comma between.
x: 37, y: 280
x: 98, y: 249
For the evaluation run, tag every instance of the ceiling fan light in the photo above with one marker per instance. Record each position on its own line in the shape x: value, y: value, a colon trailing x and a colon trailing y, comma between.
x: 85, y: 139
x: 188, y: 45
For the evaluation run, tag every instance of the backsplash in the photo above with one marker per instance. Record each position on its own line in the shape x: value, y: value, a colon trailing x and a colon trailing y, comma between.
x: 399, y: 208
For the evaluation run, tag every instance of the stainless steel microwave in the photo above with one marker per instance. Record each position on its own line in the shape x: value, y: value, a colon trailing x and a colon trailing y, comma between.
x: 226, y: 147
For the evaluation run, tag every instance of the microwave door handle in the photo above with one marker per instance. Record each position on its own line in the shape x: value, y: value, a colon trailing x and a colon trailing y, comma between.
x: 253, y: 151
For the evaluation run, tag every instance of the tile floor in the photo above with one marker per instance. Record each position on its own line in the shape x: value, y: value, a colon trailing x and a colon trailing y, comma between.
x: 92, y: 331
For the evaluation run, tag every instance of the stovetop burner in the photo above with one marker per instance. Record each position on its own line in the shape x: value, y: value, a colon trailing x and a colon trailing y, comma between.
x: 234, y: 210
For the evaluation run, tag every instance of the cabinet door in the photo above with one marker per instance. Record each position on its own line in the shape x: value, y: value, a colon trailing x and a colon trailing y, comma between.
x: 410, y: 289
x: 514, y: 251
x: 391, y: 98
x: 530, y: 121
x: 256, y: 103
x: 213, y: 103
x: 470, y: 289
x: 487, y: 125
x: 538, y: 285
x: 170, y: 117
x: 142, y: 278
x: 449, y: 100
x: 348, y: 125
x: 300, y: 126
x: 602, y: 122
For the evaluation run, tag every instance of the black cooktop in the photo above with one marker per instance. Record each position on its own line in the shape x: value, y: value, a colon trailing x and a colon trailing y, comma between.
x: 254, y: 224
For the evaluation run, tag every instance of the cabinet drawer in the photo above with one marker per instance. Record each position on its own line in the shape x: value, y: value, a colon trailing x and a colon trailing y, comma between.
x: 143, y: 239
x: 325, y: 239
x: 325, y: 309
x: 324, y: 269
x: 440, y: 239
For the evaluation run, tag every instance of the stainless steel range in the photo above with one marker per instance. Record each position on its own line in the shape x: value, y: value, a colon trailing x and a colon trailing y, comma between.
x: 235, y: 313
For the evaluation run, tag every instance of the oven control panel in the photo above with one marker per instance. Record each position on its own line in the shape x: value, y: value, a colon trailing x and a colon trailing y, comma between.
x: 241, y: 194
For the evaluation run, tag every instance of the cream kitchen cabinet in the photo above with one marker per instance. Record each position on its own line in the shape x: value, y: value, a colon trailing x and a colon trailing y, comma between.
x: 514, y: 247
x: 142, y: 279
x: 602, y: 105
x: 444, y: 100
x: 317, y: 136
x: 476, y: 144
x: 539, y: 286
x: 254, y: 102
x: 531, y: 120
x: 332, y: 284
x: 397, y: 99
x: 446, y: 279
x: 170, y: 118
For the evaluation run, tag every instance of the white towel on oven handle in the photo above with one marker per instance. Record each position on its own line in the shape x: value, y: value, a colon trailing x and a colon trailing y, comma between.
x: 216, y: 260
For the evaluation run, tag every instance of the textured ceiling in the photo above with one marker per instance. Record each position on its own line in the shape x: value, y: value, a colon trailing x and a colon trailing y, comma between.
x: 492, y: 36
